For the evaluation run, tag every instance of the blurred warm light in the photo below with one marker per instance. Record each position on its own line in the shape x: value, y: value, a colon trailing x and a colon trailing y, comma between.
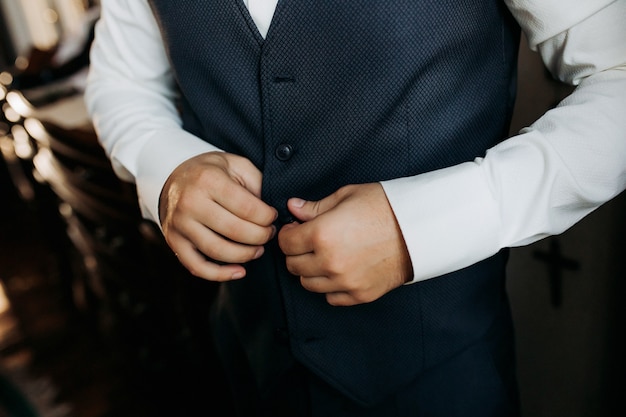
x: 5, y: 305
x: 12, y: 151
x: 71, y: 14
x: 21, y: 63
x: 21, y: 141
x: 42, y: 30
x: 19, y: 103
x: 11, y: 115
x: 43, y: 163
x: 36, y: 130
x: 50, y: 16
x: 6, y: 78
x: 7, y: 149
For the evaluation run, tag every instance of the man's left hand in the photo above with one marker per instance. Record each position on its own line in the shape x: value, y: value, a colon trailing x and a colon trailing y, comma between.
x: 347, y: 246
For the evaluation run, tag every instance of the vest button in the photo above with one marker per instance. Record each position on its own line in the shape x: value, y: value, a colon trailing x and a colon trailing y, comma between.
x: 284, y: 152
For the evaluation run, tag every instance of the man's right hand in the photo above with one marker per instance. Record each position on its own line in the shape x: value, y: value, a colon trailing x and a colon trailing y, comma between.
x: 213, y: 217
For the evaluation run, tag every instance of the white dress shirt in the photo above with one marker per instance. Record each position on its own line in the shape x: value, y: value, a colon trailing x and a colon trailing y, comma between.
x: 535, y: 184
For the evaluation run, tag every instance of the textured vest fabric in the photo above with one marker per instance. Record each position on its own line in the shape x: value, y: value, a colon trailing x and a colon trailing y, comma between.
x: 343, y: 92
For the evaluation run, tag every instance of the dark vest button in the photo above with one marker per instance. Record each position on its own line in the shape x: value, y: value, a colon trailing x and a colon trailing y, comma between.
x: 284, y: 152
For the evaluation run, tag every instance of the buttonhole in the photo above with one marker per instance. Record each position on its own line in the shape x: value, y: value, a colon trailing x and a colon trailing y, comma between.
x: 284, y: 79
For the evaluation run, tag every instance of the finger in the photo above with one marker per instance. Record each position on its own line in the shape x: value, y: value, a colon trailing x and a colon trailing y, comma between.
x: 209, y: 243
x: 295, y: 239
x: 243, y: 203
x: 216, y: 247
x: 334, y: 294
x: 201, y: 267
x: 246, y: 173
x: 233, y: 227
x: 306, y: 265
x: 341, y: 299
x: 308, y: 210
x: 320, y: 285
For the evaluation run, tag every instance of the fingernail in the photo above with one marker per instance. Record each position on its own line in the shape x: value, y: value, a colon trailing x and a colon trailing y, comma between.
x: 238, y: 275
x: 259, y: 252
x: 297, y: 202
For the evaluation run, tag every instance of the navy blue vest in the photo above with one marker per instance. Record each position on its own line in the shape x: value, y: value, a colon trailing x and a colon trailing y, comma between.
x: 342, y: 92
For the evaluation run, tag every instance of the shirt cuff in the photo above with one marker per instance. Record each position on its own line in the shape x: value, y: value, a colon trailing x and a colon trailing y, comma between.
x: 448, y: 218
x: 543, y: 19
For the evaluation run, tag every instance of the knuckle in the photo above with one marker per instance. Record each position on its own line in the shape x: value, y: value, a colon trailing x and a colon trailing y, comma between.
x: 173, y: 224
x: 321, y: 239
x: 316, y: 206
x: 306, y: 284
x: 336, y: 265
x: 365, y: 295
x: 183, y: 204
x: 193, y: 270
x: 247, y: 209
x: 363, y: 298
x: 174, y: 240
x: 345, y: 191
x: 338, y: 300
x: 212, y: 251
x: 269, y: 233
x: 292, y: 268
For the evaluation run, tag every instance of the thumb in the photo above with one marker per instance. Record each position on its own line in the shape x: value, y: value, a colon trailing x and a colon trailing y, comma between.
x: 308, y: 210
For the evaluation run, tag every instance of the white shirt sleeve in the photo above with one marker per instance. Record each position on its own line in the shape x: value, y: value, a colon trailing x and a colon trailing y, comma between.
x: 555, y: 172
x: 131, y: 95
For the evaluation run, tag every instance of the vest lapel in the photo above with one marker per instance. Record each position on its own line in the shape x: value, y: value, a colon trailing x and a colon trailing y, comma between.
x: 245, y: 14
